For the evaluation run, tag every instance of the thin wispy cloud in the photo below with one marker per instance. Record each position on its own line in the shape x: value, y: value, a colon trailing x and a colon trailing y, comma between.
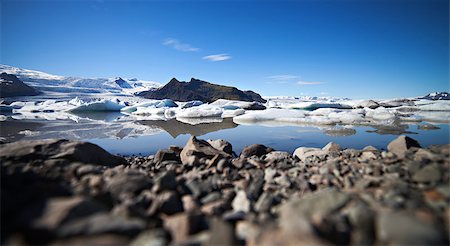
x: 301, y: 82
x: 217, y: 57
x: 178, y: 45
x: 284, y: 77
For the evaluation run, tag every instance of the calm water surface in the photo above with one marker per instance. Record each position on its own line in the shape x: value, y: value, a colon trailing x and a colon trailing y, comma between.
x: 146, y: 137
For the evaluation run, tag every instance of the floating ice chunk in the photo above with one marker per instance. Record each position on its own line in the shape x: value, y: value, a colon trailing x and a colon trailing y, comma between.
x: 191, y: 104
x: 317, y: 105
x: 200, y: 111
x: 347, y: 117
x: 103, y: 105
x: 234, y: 104
x: 381, y: 114
x: 436, y: 106
x: 149, y: 111
x: 166, y: 103
x: 268, y: 115
x: 324, y: 111
x: 232, y: 113
x: 196, y: 121
x: 169, y: 103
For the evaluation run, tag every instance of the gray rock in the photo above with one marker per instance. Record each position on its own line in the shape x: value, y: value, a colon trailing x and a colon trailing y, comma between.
x: 332, y: 147
x: 101, y: 223
x: 181, y: 226
x: 404, y: 228
x: 303, y: 153
x: 264, y: 202
x: 221, y: 145
x: 277, y: 156
x: 241, y: 202
x: 60, y: 210
x: 165, y: 155
x: 168, y: 202
x: 400, y: 145
x: 429, y: 173
x: 222, y: 233
x: 255, y: 150
x: 43, y: 150
x: 166, y: 181
x: 127, y: 182
x: 196, y: 149
x: 318, y: 204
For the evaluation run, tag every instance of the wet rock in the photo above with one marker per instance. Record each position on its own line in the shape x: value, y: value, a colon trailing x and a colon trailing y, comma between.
x: 181, y: 226
x: 400, y: 145
x: 196, y: 149
x: 404, y: 228
x: 221, y: 145
x: 43, y: 150
x: 429, y: 173
x: 255, y: 150
x: 101, y: 223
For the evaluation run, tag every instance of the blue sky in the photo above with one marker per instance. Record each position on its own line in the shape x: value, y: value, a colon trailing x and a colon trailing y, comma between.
x: 356, y: 49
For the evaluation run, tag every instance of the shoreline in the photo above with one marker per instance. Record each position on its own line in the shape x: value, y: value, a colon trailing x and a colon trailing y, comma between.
x: 69, y: 192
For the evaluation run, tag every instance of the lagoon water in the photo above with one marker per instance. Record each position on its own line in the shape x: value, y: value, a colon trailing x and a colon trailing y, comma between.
x: 116, y: 134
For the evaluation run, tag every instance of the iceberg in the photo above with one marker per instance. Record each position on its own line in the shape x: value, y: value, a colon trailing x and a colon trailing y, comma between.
x: 103, y: 105
x: 200, y: 111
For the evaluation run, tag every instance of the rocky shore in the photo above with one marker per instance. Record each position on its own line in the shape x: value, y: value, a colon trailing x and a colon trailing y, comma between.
x: 66, y: 192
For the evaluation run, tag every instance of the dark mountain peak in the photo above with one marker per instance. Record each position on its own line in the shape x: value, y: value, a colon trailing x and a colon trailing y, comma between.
x: 11, y: 86
x: 197, y: 89
x: 122, y: 83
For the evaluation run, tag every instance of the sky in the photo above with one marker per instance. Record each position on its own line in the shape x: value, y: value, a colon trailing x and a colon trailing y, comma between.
x: 356, y: 49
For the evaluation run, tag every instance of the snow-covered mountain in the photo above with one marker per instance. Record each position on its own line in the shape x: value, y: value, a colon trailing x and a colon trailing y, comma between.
x: 57, y: 85
x: 437, y: 96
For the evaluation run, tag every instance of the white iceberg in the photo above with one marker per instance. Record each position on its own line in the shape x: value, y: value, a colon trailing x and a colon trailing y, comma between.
x: 200, y: 111
x: 103, y: 105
